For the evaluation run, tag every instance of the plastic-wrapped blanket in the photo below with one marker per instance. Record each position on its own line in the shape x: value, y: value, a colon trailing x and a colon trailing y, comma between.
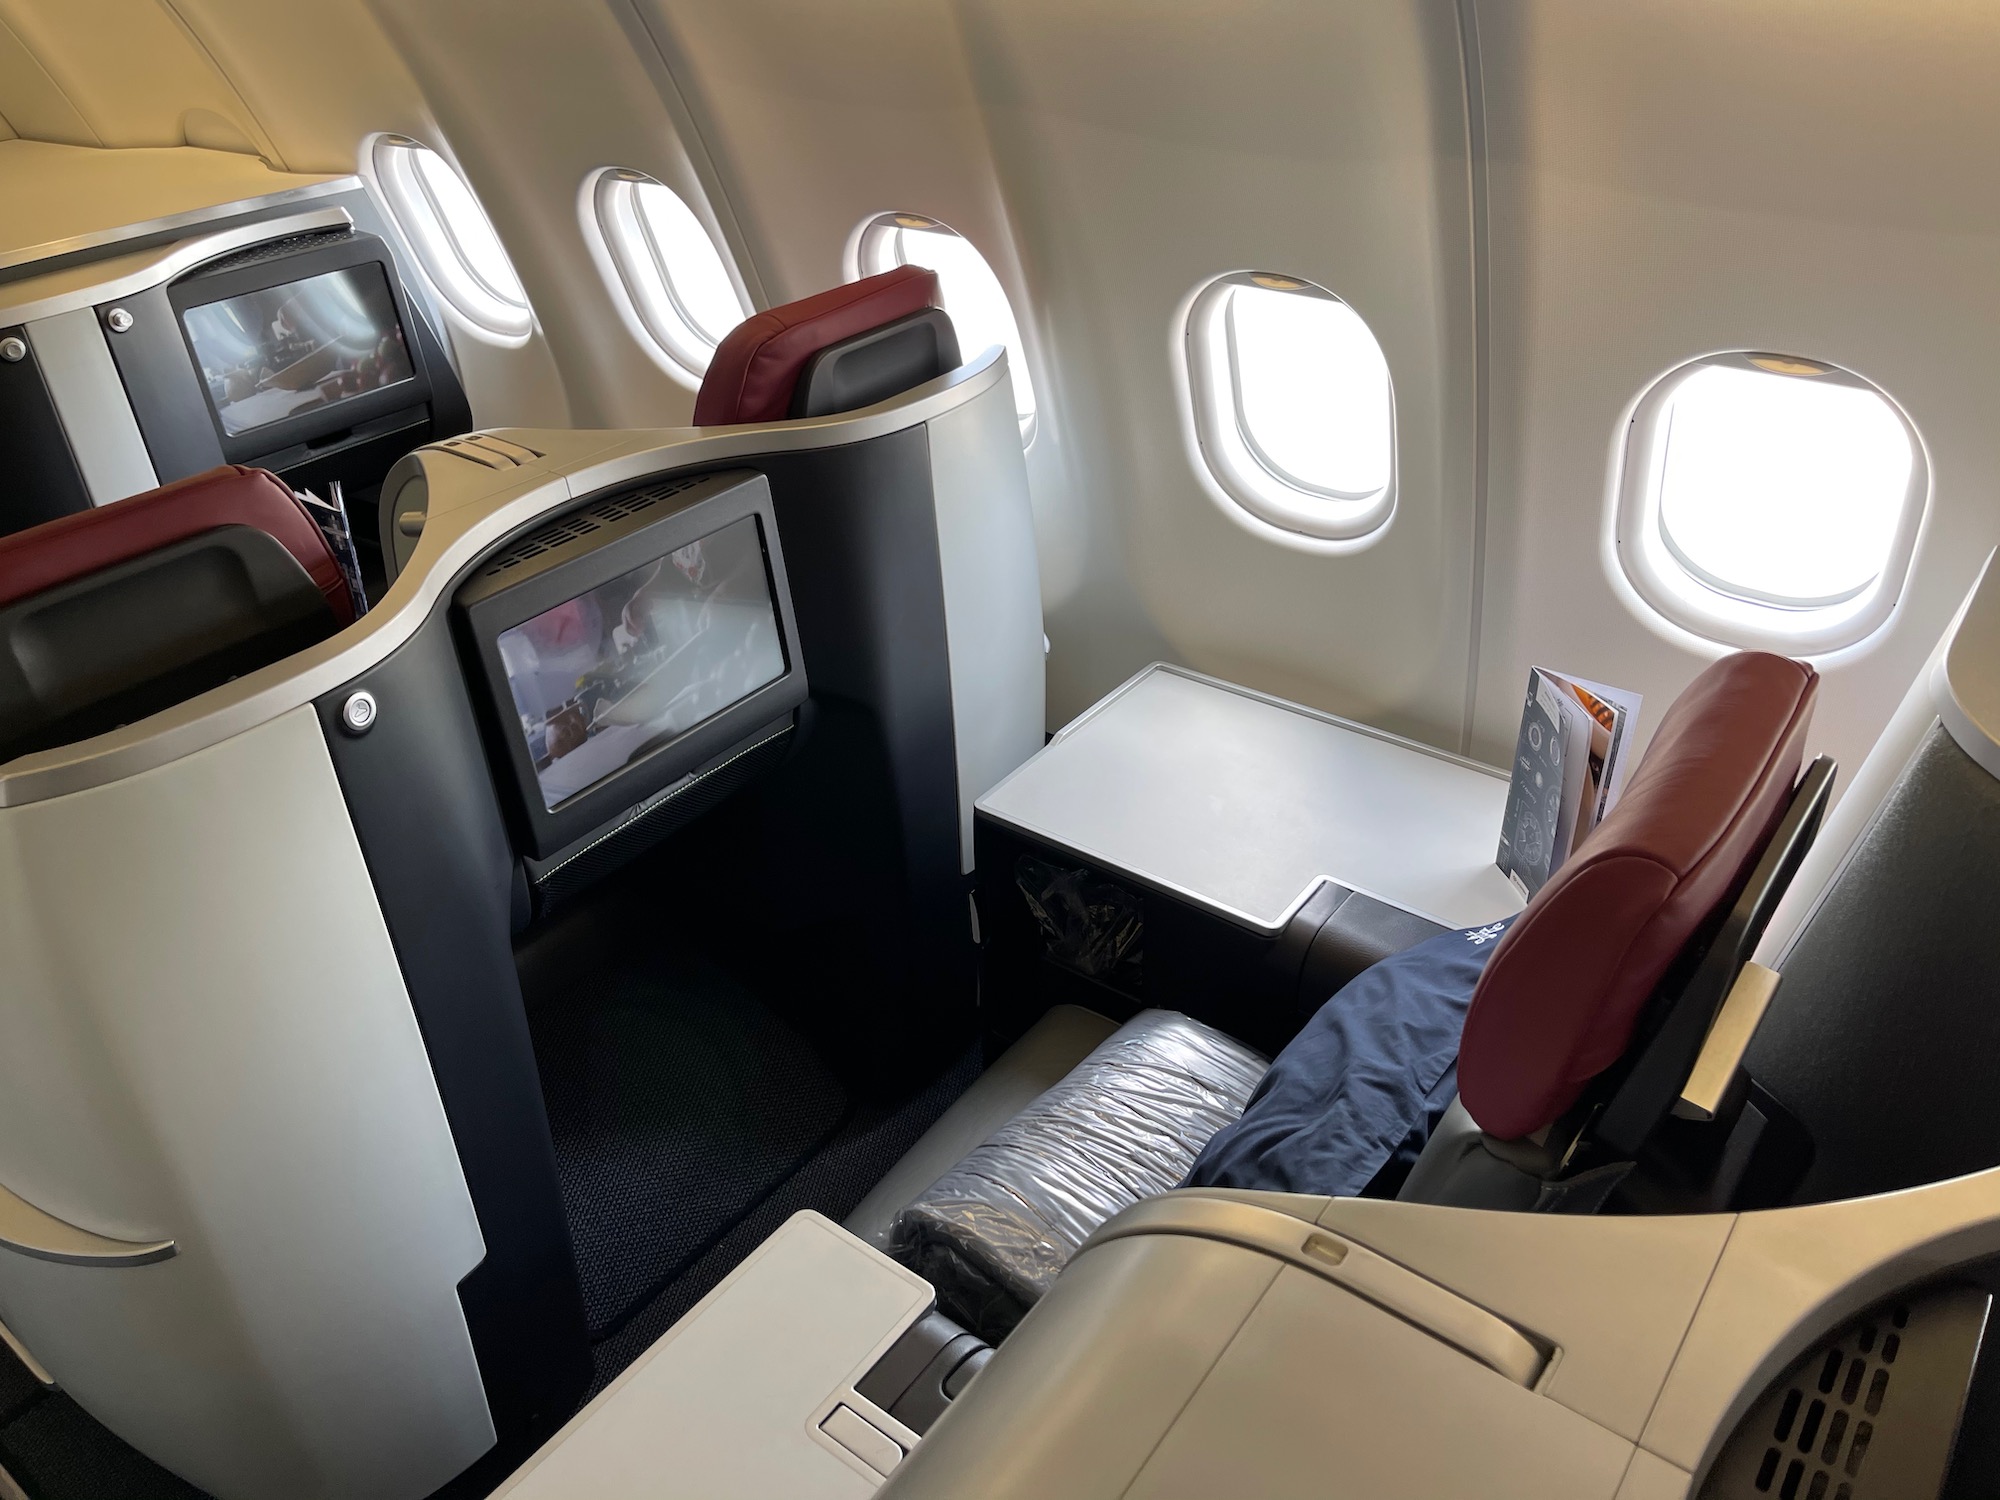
x: 1126, y: 1123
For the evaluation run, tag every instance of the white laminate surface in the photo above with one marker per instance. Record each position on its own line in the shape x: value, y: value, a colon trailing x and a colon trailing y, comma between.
x: 728, y: 1404
x: 1243, y: 804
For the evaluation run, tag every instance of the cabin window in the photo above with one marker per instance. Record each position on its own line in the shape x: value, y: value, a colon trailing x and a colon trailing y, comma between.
x: 1294, y: 412
x: 972, y: 294
x: 664, y: 267
x: 453, y: 240
x: 1770, y: 501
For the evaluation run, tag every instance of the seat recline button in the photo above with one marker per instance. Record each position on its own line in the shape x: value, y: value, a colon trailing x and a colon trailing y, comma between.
x: 357, y: 714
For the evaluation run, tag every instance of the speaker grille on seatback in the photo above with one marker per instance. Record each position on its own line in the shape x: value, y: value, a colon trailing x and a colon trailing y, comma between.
x: 581, y: 523
x: 291, y: 244
x: 1870, y: 1411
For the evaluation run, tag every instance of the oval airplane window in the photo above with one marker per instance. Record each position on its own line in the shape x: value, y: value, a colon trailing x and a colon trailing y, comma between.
x: 972, y: 294
x: 1293, y: 408
x: 453, y: 240
x: 1770, y: 501
x: 664, y: 267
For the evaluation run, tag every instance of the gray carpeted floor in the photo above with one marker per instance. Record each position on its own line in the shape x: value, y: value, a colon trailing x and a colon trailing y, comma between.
x: 832, y: 1181
x: 55, y: 1450
x: 677, y: 1101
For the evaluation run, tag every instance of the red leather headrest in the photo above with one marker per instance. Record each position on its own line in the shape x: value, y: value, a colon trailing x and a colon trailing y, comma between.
x: 757, y: 367
x: 71, y: 546
x: 1565, y: 987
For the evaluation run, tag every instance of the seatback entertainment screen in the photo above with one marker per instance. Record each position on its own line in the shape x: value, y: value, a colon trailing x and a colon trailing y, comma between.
x: 605, y: 677
x: 272, y: 354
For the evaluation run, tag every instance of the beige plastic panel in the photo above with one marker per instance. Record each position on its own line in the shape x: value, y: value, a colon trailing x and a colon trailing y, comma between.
x: 129, y: 72
x: 1653, y: 1478
x: 54, y: 192
x: 205, y: 1038
x: 1092, y: 1380
x: 1789, y: 1276
x: 1615, y: 1294
x: 1145, y: 1347
x: 1322, y: 1393
x: 1170, y: 1366
x: 727, y: 1405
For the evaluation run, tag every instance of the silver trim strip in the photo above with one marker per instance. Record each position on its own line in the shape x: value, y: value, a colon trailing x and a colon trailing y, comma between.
x: 50, y: 249
x: 1728, y: 1039
x: 33, y: 1366
x: 1303, y: 710
x: 90, y: 399
x: 26, y: 1230
x: 453, y: 537
x: 70, y: 288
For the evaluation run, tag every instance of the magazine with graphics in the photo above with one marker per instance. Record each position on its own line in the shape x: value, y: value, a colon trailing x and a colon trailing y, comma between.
x: 1569, y: 767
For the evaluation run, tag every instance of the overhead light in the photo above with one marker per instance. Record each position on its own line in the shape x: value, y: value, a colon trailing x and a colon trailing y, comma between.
x: 1782, y: 364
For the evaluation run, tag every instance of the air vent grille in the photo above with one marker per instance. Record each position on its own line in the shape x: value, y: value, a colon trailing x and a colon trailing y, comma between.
x: 1824, y: 1425
x: 292, y: 244
x: 581, y: 523
x: 1840, y: 1425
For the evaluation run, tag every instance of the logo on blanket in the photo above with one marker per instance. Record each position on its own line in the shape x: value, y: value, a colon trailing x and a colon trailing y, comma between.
x: 1479, y: 937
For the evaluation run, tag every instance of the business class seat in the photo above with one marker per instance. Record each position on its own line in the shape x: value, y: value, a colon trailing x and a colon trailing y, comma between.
x: 114, y: 613
x: 836, y: 351
x: 1581, y: 1032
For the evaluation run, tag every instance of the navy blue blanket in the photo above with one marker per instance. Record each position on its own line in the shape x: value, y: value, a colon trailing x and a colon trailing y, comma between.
x: 1364, y: 1083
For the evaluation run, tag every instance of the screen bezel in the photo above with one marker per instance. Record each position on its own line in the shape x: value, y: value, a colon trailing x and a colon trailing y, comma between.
x: 203, y: 289
x: 490, y: 606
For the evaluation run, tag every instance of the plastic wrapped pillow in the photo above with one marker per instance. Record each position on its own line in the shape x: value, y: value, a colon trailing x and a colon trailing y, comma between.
x: 1126, y: 1123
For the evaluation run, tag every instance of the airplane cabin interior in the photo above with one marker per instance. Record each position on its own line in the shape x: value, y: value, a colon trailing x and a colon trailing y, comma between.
x: 998, y: 749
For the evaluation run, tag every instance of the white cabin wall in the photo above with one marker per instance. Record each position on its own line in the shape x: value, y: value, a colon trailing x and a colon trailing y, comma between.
x: 817, y: 118
x: 1106, y: 160
x: 534, y: 95
x: 1675, y: 177
x: 1155, y: 149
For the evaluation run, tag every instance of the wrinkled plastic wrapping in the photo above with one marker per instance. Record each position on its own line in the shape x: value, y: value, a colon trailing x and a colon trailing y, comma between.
x: 1087, y: 924
x: 1126, y: 1123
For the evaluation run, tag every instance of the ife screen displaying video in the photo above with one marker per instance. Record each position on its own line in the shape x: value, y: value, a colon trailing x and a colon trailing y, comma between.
x: 604, y: 678
x: 275, y: 353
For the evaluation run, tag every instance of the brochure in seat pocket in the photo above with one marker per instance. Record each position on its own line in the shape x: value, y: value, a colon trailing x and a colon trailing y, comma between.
x: 1569, y: 767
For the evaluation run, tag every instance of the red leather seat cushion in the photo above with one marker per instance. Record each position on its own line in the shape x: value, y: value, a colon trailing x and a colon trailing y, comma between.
x: 757, y: 367
x: 1563, y: 991
x: 70, y: 547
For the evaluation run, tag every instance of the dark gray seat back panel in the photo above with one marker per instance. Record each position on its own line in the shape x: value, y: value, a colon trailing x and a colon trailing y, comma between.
x: 1882, y: 1037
